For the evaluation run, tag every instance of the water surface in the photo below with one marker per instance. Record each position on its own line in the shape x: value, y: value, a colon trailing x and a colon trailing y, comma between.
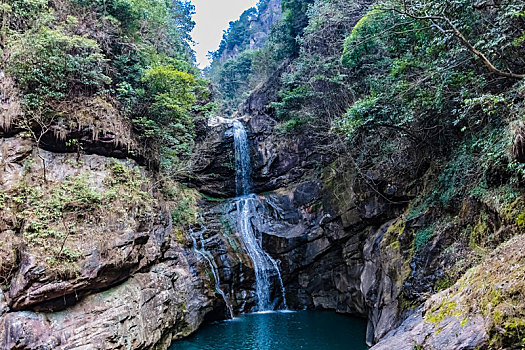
x: 280, y: 331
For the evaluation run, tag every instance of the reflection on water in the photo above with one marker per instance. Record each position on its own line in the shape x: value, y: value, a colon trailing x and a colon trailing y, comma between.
x: 280, y: 330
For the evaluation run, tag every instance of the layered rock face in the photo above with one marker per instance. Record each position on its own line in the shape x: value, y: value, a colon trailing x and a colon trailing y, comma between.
x: 312, y: 222
x: 85, y: 265
x: 121, y: 276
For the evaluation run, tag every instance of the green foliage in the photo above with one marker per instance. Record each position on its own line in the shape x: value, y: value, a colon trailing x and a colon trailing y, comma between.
x: 443, y: 283
x: 238, y: 34
x: 361, y: 113
x: 291, y: 101
x: 410, y: 78
x: 235, y: 77
x: 161, y: 26
x: 290, y: 125
x: 183, y: 204
x: 125, y: 189
x: 22, y: 13
x: 232, y: 79
x: 364, y: 39
x: 49, y: 64
x: 454, y: 179
x: 43, y: 210
x: 170, y: 96
x: 422, y: 238
x: 316, y: 87
x: 103, y: 59
x: 237, y: 37
x: 406, y: 68
x: 295, y: 14
x: 55, y: 219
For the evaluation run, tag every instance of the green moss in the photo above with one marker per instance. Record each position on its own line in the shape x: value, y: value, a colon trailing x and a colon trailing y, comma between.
x: 58, y: 216
x: 493, y: 289
x: 183, y: 203
x: 520, y: 221
x: 446, y: 309
x: 338, y: 180
x: 415, y: 209
x: 513, y: 335
x: 393, y: 233
x: 43, y: 208
x: 397, y: 228
x: 181, y: 236
x: 443, y: 283
x: 356, y: 46
x: 479, y: 235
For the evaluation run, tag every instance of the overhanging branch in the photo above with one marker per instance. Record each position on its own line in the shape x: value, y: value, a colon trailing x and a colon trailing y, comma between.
x: 434, y: 19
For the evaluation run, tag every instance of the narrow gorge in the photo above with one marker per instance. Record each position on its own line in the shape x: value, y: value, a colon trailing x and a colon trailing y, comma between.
x: 346, y: 174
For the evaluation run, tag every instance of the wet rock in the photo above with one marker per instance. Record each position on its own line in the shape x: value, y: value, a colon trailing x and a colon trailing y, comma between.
x: 213, y: 162
x: 382, y: 278
x: 306, y: 193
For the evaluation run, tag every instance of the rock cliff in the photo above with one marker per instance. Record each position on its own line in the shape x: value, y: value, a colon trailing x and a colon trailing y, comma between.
x: 259, y: 26
x: 98, y: 268
x: 95, y: 253
x: 347, y: 241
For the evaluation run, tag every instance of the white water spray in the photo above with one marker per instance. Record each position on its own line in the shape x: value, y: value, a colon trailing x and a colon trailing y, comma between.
x: 264, y: 265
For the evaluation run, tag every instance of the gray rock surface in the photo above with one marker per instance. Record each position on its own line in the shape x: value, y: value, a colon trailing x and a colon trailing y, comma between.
x: 135, y: 284
x: 148, y: 311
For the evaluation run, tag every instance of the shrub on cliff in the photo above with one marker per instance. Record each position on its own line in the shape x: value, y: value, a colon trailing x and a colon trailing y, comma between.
x: 167, y: 118
x: 98, y: 65
x: 51, y: 65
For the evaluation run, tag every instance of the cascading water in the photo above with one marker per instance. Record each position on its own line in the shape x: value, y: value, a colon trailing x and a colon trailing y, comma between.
x: 202, y: 252
x: 264, y: 265
x: 243, y: 168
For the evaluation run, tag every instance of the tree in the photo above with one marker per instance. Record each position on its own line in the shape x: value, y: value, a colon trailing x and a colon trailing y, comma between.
x: 439, y: 15
x: 295, y: 13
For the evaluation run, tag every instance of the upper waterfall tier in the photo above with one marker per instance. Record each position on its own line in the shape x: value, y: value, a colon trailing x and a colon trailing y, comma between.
x: 243, y: 169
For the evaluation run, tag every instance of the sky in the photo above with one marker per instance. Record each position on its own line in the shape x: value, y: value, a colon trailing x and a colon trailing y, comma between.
x: 212, y: 18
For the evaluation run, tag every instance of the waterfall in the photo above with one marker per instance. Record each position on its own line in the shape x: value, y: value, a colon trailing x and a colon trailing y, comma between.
x: 202, y: 252
x: 243, y: 169
x: 264, y: 265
